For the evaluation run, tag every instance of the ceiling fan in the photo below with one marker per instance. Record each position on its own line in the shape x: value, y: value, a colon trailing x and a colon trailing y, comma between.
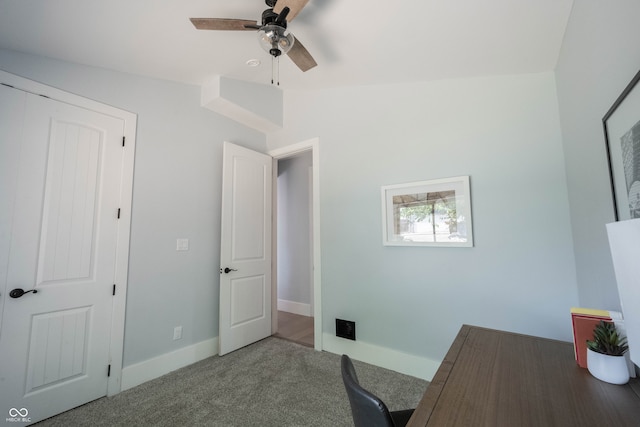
x: 272, y: 34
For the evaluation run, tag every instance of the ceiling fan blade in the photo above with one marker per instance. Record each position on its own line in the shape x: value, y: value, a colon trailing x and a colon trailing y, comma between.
x: 301, y: 56
x: 295, y: 6
x: 224, y: 24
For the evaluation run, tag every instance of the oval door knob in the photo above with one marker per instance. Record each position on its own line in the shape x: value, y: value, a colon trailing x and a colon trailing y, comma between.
x: 227, y: 270
x: 18, y: 292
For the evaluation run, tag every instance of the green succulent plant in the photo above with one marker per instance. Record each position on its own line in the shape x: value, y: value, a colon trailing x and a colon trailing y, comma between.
x: 607, y: 340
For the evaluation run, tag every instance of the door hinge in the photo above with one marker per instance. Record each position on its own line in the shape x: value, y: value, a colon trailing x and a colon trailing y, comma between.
x: 109, y: 370
x: 113, y: 292
x: 123, y: 138
x: 118, y: 213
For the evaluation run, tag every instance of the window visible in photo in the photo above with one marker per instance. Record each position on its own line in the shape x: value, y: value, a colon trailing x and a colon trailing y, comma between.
x: 427, y: 213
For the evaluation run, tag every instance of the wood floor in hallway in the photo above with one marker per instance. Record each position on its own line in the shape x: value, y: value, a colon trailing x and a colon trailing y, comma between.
x: 296, y: 328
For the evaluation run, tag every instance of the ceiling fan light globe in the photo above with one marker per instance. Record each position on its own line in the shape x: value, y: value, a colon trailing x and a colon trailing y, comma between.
x: 275, y: 37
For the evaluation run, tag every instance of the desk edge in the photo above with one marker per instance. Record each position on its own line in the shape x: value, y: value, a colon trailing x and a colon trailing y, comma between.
x: 430, y: 398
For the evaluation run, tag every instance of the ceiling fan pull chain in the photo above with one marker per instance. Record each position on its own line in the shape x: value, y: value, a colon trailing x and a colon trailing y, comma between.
x: 275, y: 70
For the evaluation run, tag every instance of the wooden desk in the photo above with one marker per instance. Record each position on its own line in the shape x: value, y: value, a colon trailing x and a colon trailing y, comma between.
x: 493, y: 378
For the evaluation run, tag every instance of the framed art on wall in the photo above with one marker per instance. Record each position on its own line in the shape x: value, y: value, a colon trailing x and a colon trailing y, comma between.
x: 427, y: 213
x: 622, y: 137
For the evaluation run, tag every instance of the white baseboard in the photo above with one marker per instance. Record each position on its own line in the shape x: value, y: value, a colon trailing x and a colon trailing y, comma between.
x: 419, y: 367
x: 295, y: 307
x: 156, y: 367
x: 404, y: 363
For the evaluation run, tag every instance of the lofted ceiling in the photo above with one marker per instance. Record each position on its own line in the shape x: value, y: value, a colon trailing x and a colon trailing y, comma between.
x: 355, y: 42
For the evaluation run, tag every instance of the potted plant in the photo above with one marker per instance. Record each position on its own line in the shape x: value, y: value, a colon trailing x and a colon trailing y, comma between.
x: 606, y: 354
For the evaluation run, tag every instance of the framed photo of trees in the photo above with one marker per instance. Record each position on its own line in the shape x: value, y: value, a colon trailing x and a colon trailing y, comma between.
x: 427, y: 213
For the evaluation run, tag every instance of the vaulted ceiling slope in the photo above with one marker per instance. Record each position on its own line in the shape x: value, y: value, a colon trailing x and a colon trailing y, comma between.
x: 356, y: 42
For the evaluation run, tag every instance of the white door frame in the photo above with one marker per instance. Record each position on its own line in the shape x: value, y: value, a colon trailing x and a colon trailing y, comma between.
x: 282, y: 153
x: 116, y: 342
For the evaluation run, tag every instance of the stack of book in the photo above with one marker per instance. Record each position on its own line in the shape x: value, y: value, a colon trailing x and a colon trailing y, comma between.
x: 583, y: 321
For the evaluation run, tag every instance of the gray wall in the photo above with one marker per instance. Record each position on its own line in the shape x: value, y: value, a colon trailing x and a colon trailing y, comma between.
x: 502, y: 131
x: 599, y: 57
x: 294, y: 244
x: 176, y: 193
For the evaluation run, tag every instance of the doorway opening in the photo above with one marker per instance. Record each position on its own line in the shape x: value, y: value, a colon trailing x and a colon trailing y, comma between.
x: 294, y: 248
x: 296, y: 277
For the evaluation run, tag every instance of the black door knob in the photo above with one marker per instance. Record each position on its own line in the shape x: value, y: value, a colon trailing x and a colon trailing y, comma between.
x: 18, y: 292
x: 227, y: 270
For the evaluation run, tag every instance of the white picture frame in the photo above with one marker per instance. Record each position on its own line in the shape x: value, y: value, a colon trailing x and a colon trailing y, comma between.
x: 428, y: 213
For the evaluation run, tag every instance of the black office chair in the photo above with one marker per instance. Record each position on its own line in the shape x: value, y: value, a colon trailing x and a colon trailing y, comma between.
x: 367, y: 409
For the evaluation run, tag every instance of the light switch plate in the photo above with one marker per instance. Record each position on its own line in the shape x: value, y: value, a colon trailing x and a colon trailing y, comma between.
x: 182, y: 244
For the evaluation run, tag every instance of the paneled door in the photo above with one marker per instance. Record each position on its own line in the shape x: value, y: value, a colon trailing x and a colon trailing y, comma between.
x: 245, y: 255
x: 61, y: 168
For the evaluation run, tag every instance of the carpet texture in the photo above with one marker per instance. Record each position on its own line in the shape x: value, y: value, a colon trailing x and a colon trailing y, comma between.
x: 270, y: 383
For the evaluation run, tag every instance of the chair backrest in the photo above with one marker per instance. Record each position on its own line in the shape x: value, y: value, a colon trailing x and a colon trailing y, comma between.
x: 367, y: 409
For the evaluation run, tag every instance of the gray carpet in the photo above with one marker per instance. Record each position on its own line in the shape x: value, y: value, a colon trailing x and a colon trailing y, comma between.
x: 270, y: 383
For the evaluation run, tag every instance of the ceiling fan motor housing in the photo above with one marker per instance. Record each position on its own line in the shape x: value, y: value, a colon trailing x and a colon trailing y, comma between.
x: 270, y: 17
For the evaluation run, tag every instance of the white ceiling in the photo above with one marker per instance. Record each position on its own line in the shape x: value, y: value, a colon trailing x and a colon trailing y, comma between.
x: 355, y: 42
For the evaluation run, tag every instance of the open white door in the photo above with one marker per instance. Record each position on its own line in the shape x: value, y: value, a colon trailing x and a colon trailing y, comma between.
x: 245, y: 255
x: 62, y: 175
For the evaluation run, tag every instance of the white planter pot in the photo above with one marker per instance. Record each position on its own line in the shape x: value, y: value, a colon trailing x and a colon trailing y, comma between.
x: 611, y: 369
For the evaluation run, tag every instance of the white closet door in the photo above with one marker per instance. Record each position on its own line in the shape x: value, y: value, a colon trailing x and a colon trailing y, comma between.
x: 64, y: 169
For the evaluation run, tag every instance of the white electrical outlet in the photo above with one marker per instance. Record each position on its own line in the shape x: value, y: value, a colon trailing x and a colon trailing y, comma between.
x: 177, y: 332
x: 182, y: 244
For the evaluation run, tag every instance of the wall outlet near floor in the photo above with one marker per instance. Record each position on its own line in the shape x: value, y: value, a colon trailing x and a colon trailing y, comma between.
x: 346, y: 329
x: 177, y: 333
